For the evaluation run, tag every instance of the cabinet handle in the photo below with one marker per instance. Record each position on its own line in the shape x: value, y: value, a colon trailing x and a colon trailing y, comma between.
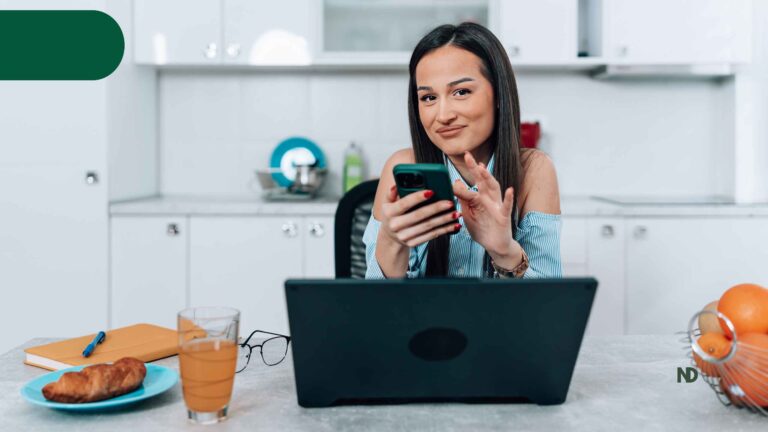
x: 172, y: 230
x: 233, y: 50
x: 316, y: 229
x: 622, y: 50
x: 641, y: 232
x: 514, y: 51
x: 607, y: 231
x: 289, y: 229
x: 211, y: 51
x: 91, y: 177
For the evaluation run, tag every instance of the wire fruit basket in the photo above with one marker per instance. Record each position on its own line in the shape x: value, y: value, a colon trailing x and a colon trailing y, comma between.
x: 740, y: 376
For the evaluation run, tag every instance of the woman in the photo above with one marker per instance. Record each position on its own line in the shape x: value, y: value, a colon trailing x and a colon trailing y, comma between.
x: 464, y: 112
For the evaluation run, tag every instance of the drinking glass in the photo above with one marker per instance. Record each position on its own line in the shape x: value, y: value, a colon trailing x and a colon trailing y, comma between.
x: 207, y: 359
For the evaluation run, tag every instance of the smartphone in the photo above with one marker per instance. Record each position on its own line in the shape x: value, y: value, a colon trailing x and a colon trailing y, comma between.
x: 411, y: 178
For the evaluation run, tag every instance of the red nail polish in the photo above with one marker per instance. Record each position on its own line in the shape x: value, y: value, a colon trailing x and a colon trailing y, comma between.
x: 455, y: 215
x: 457, y: 227
x: 428, y: 194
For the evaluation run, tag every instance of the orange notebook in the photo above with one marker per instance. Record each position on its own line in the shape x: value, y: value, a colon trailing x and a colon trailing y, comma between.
x: 145, y: 342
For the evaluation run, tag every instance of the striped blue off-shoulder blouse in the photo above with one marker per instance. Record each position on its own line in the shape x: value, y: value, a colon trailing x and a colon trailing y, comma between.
x: 538, y: 234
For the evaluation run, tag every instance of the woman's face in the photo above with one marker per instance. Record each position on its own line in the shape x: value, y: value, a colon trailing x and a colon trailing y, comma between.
x: 456, y: 104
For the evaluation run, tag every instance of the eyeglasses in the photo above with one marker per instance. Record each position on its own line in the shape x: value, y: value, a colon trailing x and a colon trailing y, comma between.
x: 273, y: 349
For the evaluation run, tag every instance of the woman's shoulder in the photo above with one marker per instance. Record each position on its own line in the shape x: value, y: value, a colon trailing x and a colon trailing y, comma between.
x: 398, y: 157
x: 540, y: 191
x: 533, y: 158
x: 401, y: 156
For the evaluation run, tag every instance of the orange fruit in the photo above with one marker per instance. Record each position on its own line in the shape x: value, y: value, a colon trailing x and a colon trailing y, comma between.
x: 749, y: 368
x: 714, y: 344
x: 746, y: 306
x: 709, y: 322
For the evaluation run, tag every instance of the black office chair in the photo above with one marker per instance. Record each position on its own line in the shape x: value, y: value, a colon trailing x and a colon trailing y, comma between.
x: 352, y: 216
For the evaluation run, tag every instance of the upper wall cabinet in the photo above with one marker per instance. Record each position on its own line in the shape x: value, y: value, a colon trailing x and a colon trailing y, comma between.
x: 675, y: 31
x: 269, y: 32
x: 381, y: 31
x: 184, y: 32
x: 205, y: 32
x: 542, y: 31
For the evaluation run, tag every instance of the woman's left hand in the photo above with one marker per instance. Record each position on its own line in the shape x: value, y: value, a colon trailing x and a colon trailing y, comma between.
x: 487, y: 216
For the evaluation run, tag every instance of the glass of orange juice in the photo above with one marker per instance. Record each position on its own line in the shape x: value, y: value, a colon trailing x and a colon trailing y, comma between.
x: 207, y: 359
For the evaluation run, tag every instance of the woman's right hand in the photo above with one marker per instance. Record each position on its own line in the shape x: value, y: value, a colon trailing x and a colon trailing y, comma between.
x: 419, y: 226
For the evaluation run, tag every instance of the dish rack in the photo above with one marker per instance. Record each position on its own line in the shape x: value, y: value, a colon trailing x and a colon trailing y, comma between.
x: 742, y: 360
x: 271, y: 191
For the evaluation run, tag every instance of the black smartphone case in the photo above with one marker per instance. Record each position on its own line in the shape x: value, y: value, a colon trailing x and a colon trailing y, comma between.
x: 435, y: 178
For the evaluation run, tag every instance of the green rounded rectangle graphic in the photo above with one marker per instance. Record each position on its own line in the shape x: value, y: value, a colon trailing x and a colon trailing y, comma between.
x: 59, y: 45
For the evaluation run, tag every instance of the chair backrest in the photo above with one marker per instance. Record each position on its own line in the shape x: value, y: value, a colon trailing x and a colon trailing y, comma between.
x: 352, y: 216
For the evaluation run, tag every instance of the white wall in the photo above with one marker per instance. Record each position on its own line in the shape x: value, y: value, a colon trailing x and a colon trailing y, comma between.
x: 217, y: 127
x: 647, y: 136
x: 606, y: 136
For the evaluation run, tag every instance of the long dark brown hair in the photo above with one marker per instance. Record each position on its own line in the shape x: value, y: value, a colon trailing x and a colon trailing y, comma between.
x: 505, y: 138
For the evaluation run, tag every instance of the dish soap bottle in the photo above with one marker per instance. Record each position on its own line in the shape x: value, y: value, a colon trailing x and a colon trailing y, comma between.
x: 353, y: 167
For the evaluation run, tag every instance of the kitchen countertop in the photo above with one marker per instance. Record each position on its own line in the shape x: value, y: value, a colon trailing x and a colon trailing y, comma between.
x: 222, y: 206
x: 326, y: 206
x: 620, y: 383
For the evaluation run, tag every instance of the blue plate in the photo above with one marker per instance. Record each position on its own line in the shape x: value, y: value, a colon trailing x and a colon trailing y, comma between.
x: 158, y: 380
x: 295, y: 150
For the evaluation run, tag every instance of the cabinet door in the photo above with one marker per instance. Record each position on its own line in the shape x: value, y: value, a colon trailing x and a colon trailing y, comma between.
x: 676, y: 266
x: 269, y: 33
x: 53, y: 123
x: 177, y: 31
x: 540, y: 30
x: 318, y: 247
x: 677, y: 31
x: 243, y: 263
x: 605, y: 258
x: 573, y: 246
x: 149, y: 270
x: 385, y: 29
x: 53, y: 253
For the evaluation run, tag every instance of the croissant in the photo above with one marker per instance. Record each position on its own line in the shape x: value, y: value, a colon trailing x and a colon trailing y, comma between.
x: 97, y: 382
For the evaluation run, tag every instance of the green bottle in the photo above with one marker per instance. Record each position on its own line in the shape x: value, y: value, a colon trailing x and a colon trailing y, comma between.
x: 353, y: 167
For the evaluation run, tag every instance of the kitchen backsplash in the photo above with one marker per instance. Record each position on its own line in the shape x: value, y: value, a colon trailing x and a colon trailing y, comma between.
x: 615, y: 137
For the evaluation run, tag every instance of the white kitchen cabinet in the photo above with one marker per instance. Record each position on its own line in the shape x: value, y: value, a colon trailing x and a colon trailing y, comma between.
x: 52, y: 123
x: 605, y: 262
x: 269, y: 33
x: 149, y: 269
x: 55, y: 183
x: 573, y: 246
x: 53, y: 244
x: 205, y: 32
x: 177, y: 32
x: 675, y: 266
x: 243, y: 262
x: 676, y: 31
x: 594, y: 247
x: 318, y: 250
x: 540, y: 31
x: 390, y: 26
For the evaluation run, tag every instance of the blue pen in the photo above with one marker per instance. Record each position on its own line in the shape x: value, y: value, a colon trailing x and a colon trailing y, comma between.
x: 91, y: 346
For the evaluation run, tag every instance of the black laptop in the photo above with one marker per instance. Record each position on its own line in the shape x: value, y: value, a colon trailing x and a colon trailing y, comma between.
x: 433, y: 340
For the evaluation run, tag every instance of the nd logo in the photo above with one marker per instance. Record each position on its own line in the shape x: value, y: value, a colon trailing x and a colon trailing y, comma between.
x: 688, y: 374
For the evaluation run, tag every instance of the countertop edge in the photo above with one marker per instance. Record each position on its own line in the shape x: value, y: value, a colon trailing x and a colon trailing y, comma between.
x: 570, y: 206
